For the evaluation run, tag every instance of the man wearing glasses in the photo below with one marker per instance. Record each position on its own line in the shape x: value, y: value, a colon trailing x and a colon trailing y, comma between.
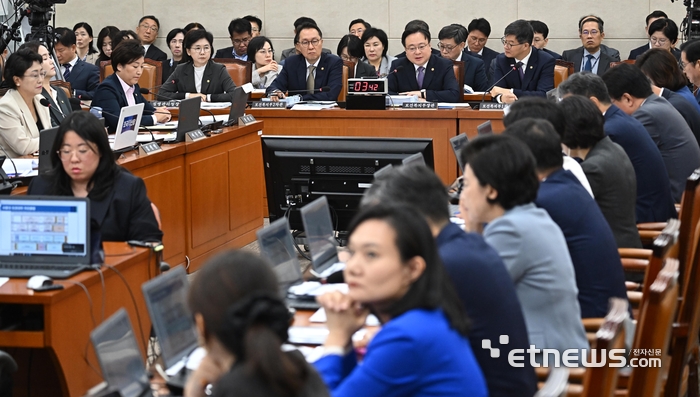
x: 479, y: 32
x: 148, y: 33
x: 309, y: 72
x: 531, y: 70
x: 429, y: 77
x: 452, y: 42
x: 240, y: 31
x: 590, y: 57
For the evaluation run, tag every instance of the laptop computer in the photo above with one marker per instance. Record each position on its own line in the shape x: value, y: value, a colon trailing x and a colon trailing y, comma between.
x: 414, y: 159
x: 458, y: 143
x: 44, y: 235
x: 239, y: 100
x: 127, y: 127
x: 188, y: 117
x: 320, y: 236
x: 46, y: 139
x: 119, y: 356
x: 484, y: 128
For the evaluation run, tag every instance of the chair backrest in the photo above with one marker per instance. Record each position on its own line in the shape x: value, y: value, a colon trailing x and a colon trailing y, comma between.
x: 63, y: 85
x: 665, y: 247
x: 629, y: 61
x: 561, y: 73
x: 458, y: 68
x: 241, y: 72
x: 654, y: 332
x: 151, y: 77
x: 348, y: 72
x: 689, y: 216
x: 568, y: 65
x: 105, y: 69
x: 556, y: 383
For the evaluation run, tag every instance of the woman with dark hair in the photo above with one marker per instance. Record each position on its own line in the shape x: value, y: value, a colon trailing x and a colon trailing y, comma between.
x: 668, y: 81
x: 192, y: 25
x: 394, y: 271
x: 265, y: 68
x: 83, y: 41
x: 83, y: 166
x: 199, y: 75
x: 22, y: 115
x: 350, y: 49
x: 175, y: 40
x: 663, y: 33
x: 123, y: 35
x: 376, y: 44
x: 242, y: 324
x: 104, y: 43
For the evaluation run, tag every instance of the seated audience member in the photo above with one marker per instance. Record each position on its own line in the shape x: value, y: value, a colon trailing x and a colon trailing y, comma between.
x: 588, y: 236
x: 533, y: 70
x: 424, y: 25
x: 83, y: 166
x: 265, y: 68
x: 59, y: 107
x: 310, y: 71
x: 654, y: 200
x: 589, y: 57
x: 82, y: 76
x: 147, y: 32
x: 690, y: 55
x: 540, y: 41
x: 642, y: 49
x: 453, y: 39
x: 123, y: 35
x: 122, y: 89
x: 22, y: 115
x: 199, y: 75
x: 255, y: 25
x: 242, y: 324
x: 606, y: 165
x: 395, y: 272
x: 295, y: 51
x: 83, y: 41
x: 175, y: 40
x: 663, y: 33
x: 104, y: 43
x: 422, y: 74
x: 611, y: 52
x: 241, y: 31
x: 193, y: 25
x: 479, y: 32
x: 500, y: 186
x: 477, y: 273
x: 350, y: 49
x: 631, y: 91
x: 375, y: 45
x: 358, y: 26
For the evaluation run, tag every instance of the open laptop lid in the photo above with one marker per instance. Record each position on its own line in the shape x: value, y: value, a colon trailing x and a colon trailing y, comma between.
x: 484, y: 128
x: 318, y: 227
x: 45, y: 230
x: 277, y: 245
x: 458, y: 143
x: 414, y: 159
x: 188, y: 117
x: 128, y: 126
x: 119, y: 355
x: 239, y: 100
x: 166, y: 299
x: 46, y: 139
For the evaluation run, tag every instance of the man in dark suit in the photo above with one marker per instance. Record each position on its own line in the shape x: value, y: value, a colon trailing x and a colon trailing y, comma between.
x: 540, y: 40
x: 479, y: 31
x: 295, y: 50
x: 82, y: 76
x: 429, y: 77
x: 589, y: 57
x: 309, y: 71
x: 148, y: 33
x: 532, y: 70
x: 453, y: 40
x: 240, y: 31
x: 658, y: 14
x: 421, y: 23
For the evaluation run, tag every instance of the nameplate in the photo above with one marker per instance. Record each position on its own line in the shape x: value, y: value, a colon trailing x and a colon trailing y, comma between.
x: 268, y: 105
x: 149, y: 148
x: 492, y: 106
x: 246, y: 119
x: 194, y: 136
x: 420, y: 105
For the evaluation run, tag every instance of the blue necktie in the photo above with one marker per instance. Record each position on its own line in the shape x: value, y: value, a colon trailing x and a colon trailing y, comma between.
x: 420, y: 76
x: 519, y: 65
x: 67, y: 72
x: 588, y: 67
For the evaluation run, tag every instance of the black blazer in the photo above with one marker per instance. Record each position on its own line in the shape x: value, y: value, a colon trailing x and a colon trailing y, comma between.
x: 293, y: 78
x: 576, y: 56
x: 84, y: 78
x: 539, y: 76
x: 364, y: 70
x: 156, y: 54
x: 488, y: 55
x: 439, y: 81
x: 111, y: 98
x: 552, y: 53
x: 686, y: 109
x: 168, y: 70
x: 215, y: 82
x: 639, y: 51
x: 474, y: 71
x: 126, y: 212
x: 63, y: 104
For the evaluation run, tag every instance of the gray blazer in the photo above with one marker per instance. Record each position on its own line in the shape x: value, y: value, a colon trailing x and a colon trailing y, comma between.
x: 534, y: 251
x: 673, y: 137
x: 576, y: 56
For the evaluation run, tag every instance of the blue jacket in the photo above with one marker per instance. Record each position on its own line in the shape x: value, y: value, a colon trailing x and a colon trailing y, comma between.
x: 84, y: 78
x: 439, y: 81
x: 111, y: 98
x: 293, y: 78
x: 538, y: 79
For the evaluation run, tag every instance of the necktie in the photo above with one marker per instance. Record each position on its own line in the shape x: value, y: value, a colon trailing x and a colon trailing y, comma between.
x: 420, y: 76
x: 310, y: 79
x: 67, y: 72
x: 519, y: 65
x: 588, y: 67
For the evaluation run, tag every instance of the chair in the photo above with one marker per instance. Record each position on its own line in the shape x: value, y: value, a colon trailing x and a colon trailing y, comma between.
x: 104, y: 71
x: 568, y: 65
x: 241, y: 72
x: 458, y: 67
x: 8, y: 366
x: 348, y: 73
x: 561, y: 73
x: 629, y: 61
x: 556, y: 383
x: 150, y: 78
x: 63, y: 85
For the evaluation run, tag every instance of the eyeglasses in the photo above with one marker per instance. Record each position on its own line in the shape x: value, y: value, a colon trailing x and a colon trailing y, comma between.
x: 654, y: 40
x: 475, y: 39
x: 153, y: 28
x: 36, y: 76
x: 509, y: 45
x: 241, y: 41
x: 348, y: 58
x: 200, y: 49
x: 419, y: 48
x: 313, y: 43
x: 67, y: 154
x: 265, y: 52
x: 446, y: 48
x: 357, y: 31
x: 589, y: 32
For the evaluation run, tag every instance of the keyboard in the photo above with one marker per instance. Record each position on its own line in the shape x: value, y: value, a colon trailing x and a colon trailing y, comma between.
x: 173, y: 103
x: 27, y: 270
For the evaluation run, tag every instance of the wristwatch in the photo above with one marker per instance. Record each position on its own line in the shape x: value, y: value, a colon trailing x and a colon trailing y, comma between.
x: 422, y: 93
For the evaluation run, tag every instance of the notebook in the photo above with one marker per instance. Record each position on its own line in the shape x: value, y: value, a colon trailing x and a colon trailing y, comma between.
x: 44, y: 235
x: 46, y: 139
x: 127, y: 127
x: 320, y: 236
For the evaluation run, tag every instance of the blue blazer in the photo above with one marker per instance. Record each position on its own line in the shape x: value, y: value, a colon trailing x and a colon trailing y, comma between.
x: 111, y: 98
x: 84, y: 78
x: 439, y: 81
x: 687, y: 109
x: 293, y: 77
x: 539, y: 76
x: 488, y: 55
x: 552, y: 53
x: 474, y: 72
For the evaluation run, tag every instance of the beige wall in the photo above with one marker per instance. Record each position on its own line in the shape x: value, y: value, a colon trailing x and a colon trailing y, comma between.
x: 624, y: 19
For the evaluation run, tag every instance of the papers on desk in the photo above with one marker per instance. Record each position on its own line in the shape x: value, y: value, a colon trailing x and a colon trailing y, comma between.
x: 314, y: 288
x: 315, y: 335
x: 170, y: 125
x: 25, y: 167
x: 399, y: 100
x: 208, y: 119
x: 320, y: 317
x: 315, y: 105
x: 260, y: 91
x: 215, y: 105
x: 4, y: 280
x: 190, y: 362
x: 447, y: 105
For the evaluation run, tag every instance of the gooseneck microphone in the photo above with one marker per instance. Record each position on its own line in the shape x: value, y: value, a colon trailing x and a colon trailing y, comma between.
x: 146, y: 91
x: 512, y: 69
x: 45, y: 102
x: 322, y: 89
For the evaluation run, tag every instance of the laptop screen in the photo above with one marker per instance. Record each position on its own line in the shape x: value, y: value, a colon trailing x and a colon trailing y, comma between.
x: 46, y: 139
x: 319, y: 234
x: 45, y: 229
x: 277, y: 245
x: 458, y: 143
x: 239, y: 100
x: 166, y: 298
x: 188, y: 117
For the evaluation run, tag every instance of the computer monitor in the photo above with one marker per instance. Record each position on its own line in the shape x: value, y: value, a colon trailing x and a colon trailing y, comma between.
x: 300, y: 169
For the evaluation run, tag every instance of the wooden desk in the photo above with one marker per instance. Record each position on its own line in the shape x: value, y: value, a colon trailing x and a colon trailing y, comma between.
x: 51, y: 343
x: 255, y: 96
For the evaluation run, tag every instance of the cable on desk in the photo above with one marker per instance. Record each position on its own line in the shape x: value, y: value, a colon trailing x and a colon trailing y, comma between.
x: 133, y: 300
x: 87, y: 294
x: 104, y: 293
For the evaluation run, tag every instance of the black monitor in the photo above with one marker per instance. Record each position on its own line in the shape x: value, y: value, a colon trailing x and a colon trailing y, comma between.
x: 300, y: 169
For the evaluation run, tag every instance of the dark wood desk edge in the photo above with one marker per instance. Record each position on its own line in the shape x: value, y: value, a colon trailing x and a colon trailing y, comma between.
x: 365, y: 114
x: 229, y: 133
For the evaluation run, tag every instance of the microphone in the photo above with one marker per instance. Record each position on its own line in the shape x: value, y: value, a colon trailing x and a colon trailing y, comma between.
x: 395, y: 70
x: 322, y: 89
x: 512, y: 69
x: 150, y: 90
x: 209, y: 127
x: 78, y: 102
x: 45, y: 102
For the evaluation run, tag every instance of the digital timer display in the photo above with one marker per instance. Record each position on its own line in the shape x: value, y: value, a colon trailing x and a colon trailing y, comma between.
x: 367, y: 86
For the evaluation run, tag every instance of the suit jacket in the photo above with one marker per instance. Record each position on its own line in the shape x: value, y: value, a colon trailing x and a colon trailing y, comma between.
x: 439, y: 81
x: 539, y: 76
x: 552, y: 53
x: 58, y: 110
x: 611, y: 52
x: 329, y: 72
x: 639, y: 51
x: 534, y: 251
x: 226, y: 53
x: 287, y: 53
x: 19, y: 134
x: 124, y: 214
x: 156, y: 54
x: 84, y: 78
x: 590, y: 241
x: 215, y: 82
x: 364, y: 70
x: 111, y: 98
x: 488, y: 55
x: 686, y: 109
x: 673, y: 137
x: 576, y: 56
x: 474, y: 72
x: 168, y: 69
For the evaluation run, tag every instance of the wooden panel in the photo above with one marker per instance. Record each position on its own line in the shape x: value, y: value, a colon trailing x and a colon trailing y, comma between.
x: 207, y: 186
x: 245, y: 175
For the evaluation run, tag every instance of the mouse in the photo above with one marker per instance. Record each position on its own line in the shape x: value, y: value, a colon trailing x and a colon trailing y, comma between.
x: 37, y: 282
